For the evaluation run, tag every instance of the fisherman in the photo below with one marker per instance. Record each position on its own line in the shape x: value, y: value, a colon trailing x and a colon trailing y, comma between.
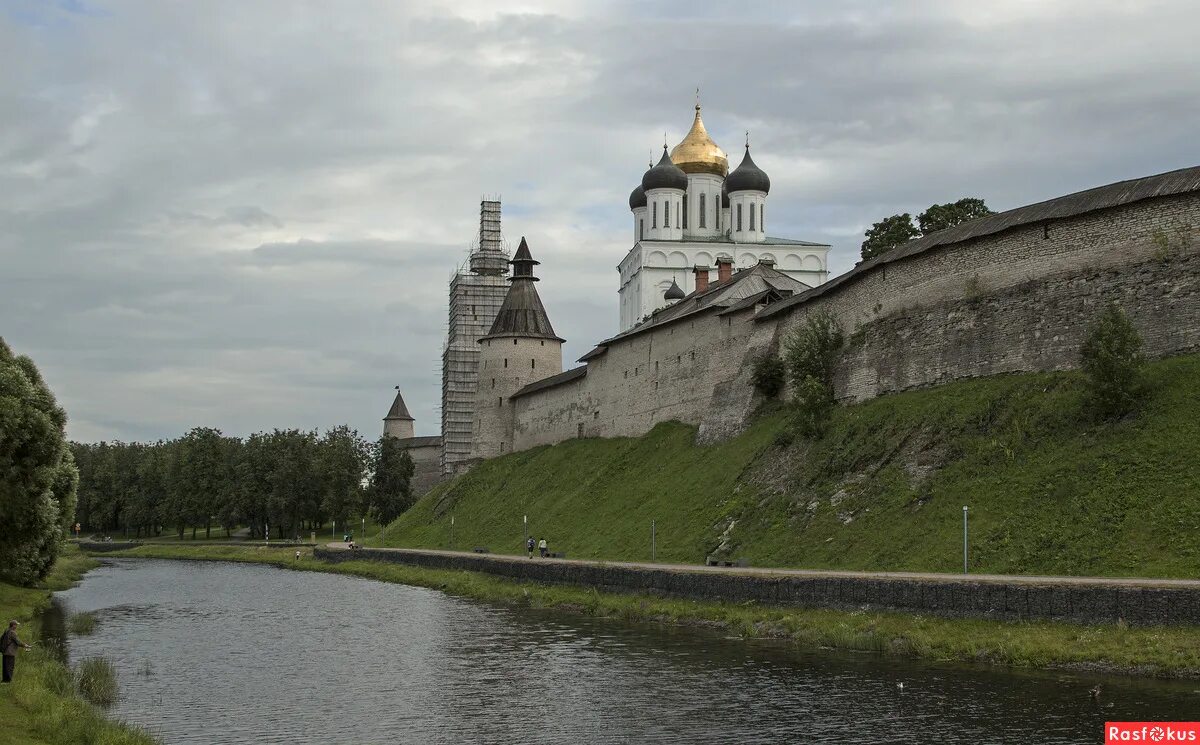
x: 9, y: 645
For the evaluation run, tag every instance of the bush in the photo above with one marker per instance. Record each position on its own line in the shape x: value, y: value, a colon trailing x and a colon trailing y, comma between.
x: 96, y: 678
x: 1112, y: 359
x: 811, y: 354
x: 769, y: 375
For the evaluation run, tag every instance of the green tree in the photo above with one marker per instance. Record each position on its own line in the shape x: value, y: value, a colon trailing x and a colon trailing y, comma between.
x: 887, y: 234
x: 811, y: 355
x: 37, y: 488
x: 942, y: 216
x: 390, y: 492
x: 343, y: 466
x: 1112, y: 359
x: 769, y: 375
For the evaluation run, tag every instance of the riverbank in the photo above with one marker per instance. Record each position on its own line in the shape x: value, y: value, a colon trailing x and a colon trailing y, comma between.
x: 1168, y: 652
x: 37, y: 708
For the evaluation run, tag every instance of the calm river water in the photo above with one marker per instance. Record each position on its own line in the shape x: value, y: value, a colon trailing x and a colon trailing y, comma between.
x: 235, y: 653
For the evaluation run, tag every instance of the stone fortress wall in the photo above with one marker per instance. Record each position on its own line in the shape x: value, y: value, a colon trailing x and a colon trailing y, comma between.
x: 1017, y: 299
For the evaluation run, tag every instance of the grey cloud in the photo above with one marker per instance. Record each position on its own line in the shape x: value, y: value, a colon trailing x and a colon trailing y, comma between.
x: 246, y: 214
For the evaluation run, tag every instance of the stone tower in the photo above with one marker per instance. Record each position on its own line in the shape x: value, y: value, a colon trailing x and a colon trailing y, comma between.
x: 520, y: 348
x: 398, y: 423
x: 476, y: 294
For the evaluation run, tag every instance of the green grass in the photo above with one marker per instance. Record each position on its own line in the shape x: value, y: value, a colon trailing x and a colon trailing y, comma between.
x: 82, y: 624
x: 1160, y: 651
x: 96, y: 680
x: 1050, y: 490
x: 41, y: 707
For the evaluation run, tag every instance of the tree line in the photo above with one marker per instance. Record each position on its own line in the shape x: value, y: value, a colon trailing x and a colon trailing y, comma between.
x: 287, y: 482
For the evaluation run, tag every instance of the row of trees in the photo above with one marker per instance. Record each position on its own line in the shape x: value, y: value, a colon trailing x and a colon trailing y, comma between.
x: 37, y: 475
x: 290, y: 480
x: 896, y: 230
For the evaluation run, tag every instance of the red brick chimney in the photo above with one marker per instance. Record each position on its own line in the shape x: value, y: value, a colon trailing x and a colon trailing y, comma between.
x: 724, y: 268
x: 701, y: 273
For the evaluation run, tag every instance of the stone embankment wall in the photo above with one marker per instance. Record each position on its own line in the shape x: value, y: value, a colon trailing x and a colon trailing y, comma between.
x: 1014, y: 301
x: 958, y: 597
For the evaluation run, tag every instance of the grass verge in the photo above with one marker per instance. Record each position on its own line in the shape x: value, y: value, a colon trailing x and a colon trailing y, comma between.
x: 41, y: 706
x: 1156, y: 652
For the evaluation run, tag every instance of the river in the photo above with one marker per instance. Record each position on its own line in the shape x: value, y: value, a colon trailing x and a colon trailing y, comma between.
x: 240, y: 653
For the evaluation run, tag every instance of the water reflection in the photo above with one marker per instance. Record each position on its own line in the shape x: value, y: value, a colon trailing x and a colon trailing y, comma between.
x: 240, y: 653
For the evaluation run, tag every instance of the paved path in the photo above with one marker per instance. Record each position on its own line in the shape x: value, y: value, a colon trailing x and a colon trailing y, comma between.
x: 1192, y: 584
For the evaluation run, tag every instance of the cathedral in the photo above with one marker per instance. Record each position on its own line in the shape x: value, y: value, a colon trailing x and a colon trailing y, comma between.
x: 689, y: 211
x: 691, y: 217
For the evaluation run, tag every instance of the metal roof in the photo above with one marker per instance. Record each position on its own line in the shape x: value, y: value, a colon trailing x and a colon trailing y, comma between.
x: 1182, y: 181
x: 563, y: 377
x: 398, y: 410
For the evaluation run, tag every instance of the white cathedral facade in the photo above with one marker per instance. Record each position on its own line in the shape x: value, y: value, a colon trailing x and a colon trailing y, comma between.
x: 690, y: 213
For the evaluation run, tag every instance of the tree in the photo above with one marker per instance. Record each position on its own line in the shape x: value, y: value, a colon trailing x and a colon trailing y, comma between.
x: 769, y: 375
x: 391, y: 480
x: 37, y: 483
x: 887, y: 234
x: 342, y: 463
x: 1112, y: 359
x: 942, y: 216
x: 811, y: 355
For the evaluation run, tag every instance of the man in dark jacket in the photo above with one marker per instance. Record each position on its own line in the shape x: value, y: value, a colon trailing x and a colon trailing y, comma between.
x: 9, y: 644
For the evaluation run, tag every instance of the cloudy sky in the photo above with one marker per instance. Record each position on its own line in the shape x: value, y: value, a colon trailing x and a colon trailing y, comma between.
x: 244, y: 214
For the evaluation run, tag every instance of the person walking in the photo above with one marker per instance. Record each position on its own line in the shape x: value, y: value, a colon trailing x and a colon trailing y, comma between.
x: 9, y: 645
x: 529, y: 544
x: 542, y: 547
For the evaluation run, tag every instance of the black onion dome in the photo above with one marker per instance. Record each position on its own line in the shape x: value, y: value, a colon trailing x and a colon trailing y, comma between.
x: 637, y: 197
x: 674, y: 292
x: 748, y: 177
x: 665, y: 175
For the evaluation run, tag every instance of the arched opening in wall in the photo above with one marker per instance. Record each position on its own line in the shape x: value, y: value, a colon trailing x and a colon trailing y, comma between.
x: 717, y: 210
x: 532, y: 364
x: 514, y: 342
x: 739, y: 217
x: 703, y: 206
x: 684, y: 224
x: 762, y: 223
x: 543, y: 342
x: 677, y: 260
x: 506, y: 362
x: 641, y: 229
x: 666, y: 213
x: 752, y: 216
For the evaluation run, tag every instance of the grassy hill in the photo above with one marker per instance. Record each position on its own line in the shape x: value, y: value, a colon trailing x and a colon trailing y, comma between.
x: 1049, y: 490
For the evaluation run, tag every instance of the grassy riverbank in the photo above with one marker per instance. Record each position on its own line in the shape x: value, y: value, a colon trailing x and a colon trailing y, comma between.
x: 1051, y: 491
x: 40, y: 707
x: 1161, y: 652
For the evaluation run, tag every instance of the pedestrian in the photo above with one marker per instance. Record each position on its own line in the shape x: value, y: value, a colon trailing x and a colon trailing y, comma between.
x: 542, y: 547
x: 529, y: 544
x: 297, y: 555
x: 9, y: 644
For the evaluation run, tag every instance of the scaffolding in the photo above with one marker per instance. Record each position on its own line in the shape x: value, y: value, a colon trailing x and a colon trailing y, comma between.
x: 477, y: 290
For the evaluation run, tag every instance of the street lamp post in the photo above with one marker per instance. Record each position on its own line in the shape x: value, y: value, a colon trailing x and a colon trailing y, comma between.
x: 964, y: 539
x: 653, y: 540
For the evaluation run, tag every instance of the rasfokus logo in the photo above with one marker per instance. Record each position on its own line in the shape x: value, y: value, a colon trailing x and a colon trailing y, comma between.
x: 1151, y: 732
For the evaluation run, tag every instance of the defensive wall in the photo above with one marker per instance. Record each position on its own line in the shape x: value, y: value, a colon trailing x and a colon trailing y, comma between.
x: 1136, y: 602
x: 1012, y: 292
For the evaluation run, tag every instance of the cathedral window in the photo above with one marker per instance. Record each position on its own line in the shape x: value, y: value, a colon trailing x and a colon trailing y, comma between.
x: 703, y: 204
x: 717, y: 210
x: 677, y: 222
x: 685, y: 220
x: 641, y: 229
x: 752, y: 215
x: 654, y: 214
x: 739, y: 218
x: 667, y: 214
x: 762, y: 225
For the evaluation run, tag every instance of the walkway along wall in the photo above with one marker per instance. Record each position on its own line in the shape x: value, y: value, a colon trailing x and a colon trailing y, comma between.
x: 1009, y: 293
x: 962, y: 597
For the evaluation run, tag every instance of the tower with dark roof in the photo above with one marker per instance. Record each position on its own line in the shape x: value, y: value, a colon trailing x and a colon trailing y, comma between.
x: 398, y: 422
x: 520, y: 348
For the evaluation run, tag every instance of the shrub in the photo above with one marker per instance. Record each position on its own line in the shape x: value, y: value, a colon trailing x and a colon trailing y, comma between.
x: 769, y: 375
x: 1112, y: 359
x: 811, y: 354
x: 96, y: 678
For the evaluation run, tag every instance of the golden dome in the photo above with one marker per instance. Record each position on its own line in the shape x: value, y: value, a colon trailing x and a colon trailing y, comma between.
x: 698, y: 153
